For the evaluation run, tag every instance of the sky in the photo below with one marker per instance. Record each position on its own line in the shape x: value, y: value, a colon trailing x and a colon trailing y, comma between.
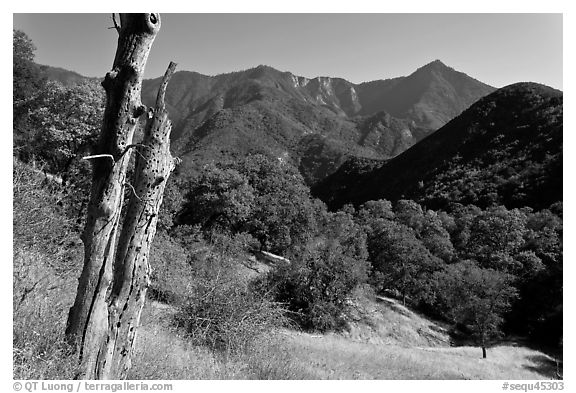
x: 498, y: 49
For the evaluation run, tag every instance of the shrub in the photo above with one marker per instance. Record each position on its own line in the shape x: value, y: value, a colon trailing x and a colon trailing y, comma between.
x: 37, y: 214
x: 322, y: 274
x: 221, y: 311
x: 171, y: 274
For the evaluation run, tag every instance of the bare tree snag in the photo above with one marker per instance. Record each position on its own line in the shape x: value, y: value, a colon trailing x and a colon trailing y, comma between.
x: 154, y: 164
x: 87, y: 325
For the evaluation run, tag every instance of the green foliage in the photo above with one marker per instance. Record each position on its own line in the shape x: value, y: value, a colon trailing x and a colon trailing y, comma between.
x: 539, y: 311
x: 27, y: 81
x: 427, y: 226
x: 406, y: 245
x: 65, y: 127
x: 544, y: 235
x: 401, y: 262
x: 172, y: 203
x: 65, y: 124
x: 284, y: 213
x: 513, y: 155
x: 322, y: 273
x: 496, y: 234
x: 463, y: 216
x: 55, y: 125
x: 507, y: 240
x: 477, y: 298
x: 372, y: 213
x: 219, y: 199
x: 264, y: 198
x: 23, y: 47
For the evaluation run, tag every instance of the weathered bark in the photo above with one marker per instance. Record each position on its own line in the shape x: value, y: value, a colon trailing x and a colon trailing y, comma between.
x: 88, y: 318
x: 131, y: 269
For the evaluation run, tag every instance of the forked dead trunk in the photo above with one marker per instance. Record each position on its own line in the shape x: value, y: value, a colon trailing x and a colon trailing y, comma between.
x: 154, y: 164
x: 102, y: 302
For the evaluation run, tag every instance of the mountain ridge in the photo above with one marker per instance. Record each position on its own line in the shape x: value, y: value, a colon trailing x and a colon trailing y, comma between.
x: 505, y: 149
x: 348, y: 119
x: 264, y: 110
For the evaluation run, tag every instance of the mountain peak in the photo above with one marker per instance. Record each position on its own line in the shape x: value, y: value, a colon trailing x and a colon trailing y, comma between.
x: 435, y: 65
x: 437, y: 62
x: 263, y: 70
x: 264, y: 67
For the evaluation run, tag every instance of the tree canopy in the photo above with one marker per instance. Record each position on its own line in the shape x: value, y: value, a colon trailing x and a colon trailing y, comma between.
x: 476, y: 298
x: 256, y: 195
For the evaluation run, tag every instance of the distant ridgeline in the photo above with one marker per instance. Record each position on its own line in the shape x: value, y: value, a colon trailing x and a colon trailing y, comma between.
x: 506, y: 149
x: 313, y: 124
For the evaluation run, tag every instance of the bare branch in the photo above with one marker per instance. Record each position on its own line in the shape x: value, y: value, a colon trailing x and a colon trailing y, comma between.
x: 164, y: 85
x: 110, y: 156
x: 116, y: 26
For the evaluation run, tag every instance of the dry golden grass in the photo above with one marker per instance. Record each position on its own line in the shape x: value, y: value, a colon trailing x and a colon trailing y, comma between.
x: 387, y: 340
x: 385, y: 321
x: 46, y: 262
x: 378, y: 350
x: 41, y: 302
x: 336, y: 357
x: 162, y: 353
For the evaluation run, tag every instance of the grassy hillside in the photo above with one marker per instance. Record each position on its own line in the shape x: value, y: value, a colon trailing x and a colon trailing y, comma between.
x: 337, y: 358
x: 47, y: 260
x: 394, y: 343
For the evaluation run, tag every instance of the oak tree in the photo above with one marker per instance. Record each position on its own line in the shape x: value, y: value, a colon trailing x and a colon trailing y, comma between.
x: 476, y: 298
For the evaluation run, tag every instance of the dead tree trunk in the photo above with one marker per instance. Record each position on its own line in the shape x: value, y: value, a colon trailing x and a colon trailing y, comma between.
x: 154, y: 164
x: 88, y: 320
